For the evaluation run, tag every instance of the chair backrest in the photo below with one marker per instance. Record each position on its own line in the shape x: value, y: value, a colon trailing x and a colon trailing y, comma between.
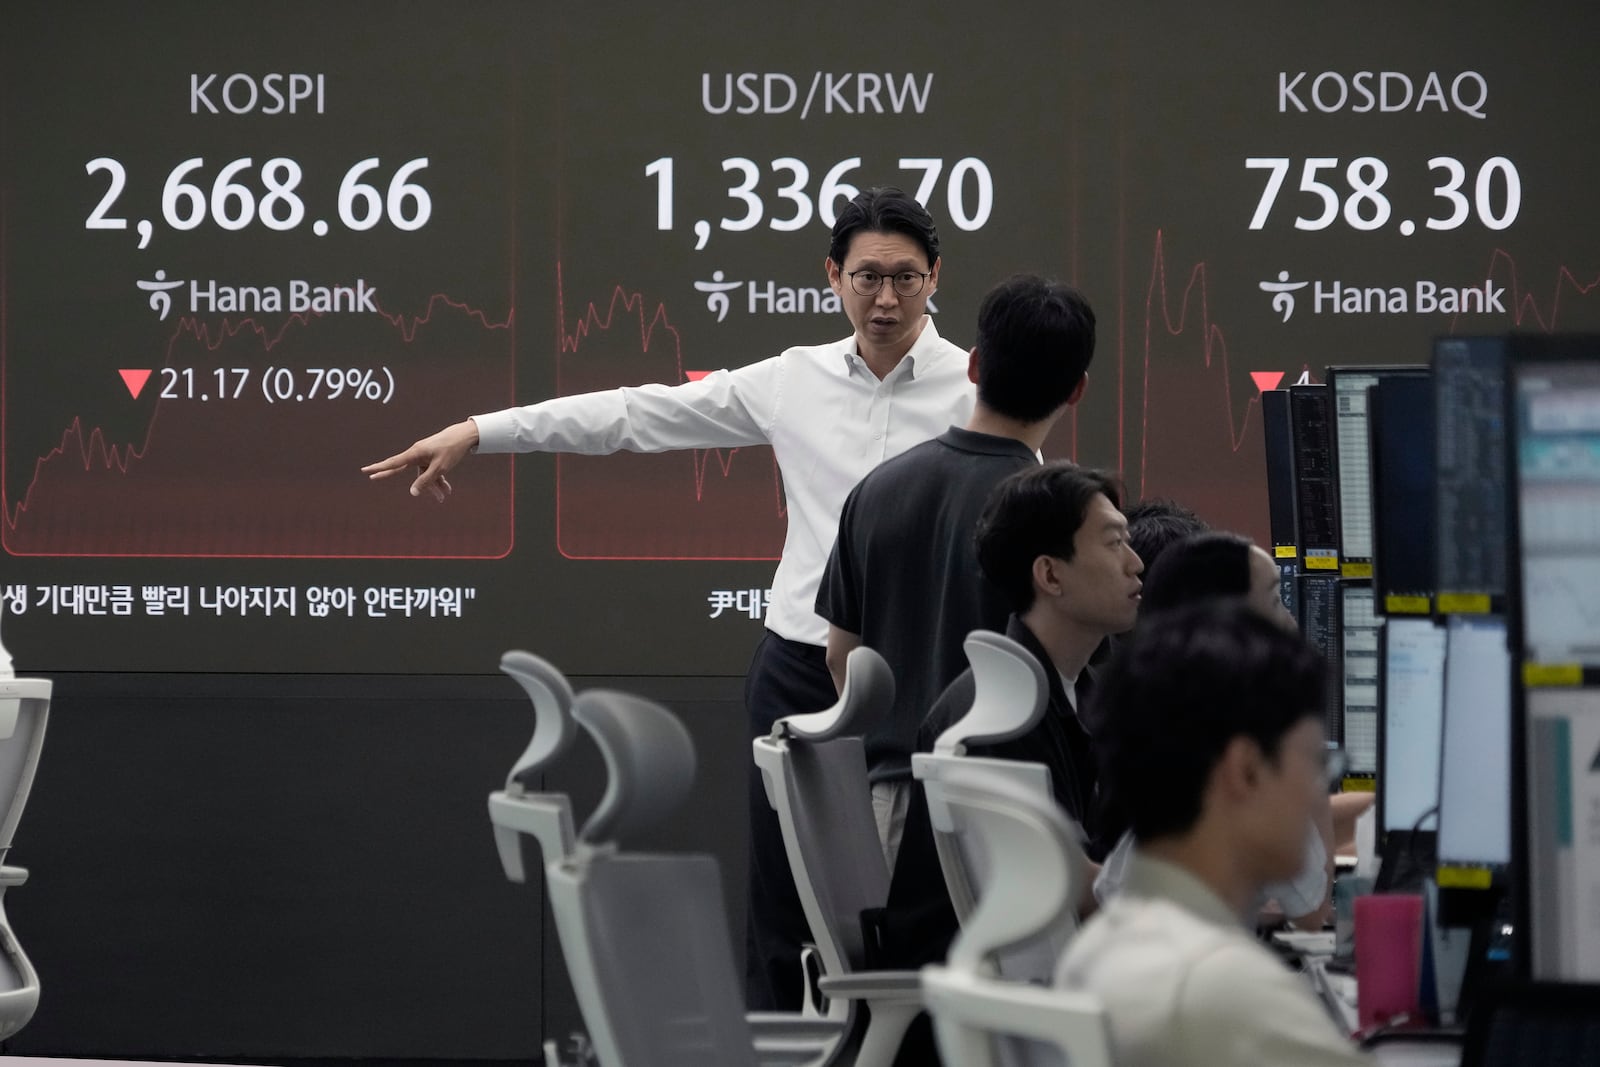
x: 1009, y: 698
x: 984, y: 1021
x: 24, y: 712
x: 517, y: 811
x: 1009, y: 694
x: 967, y: 867
x: 816, y: 780
x: 646, y: 936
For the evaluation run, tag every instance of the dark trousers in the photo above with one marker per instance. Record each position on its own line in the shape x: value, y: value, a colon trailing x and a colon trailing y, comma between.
x: 786, y: 678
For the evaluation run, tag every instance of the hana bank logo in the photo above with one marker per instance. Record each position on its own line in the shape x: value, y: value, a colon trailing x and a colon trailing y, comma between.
x: 1283, y: 291
x: 1423, y: 296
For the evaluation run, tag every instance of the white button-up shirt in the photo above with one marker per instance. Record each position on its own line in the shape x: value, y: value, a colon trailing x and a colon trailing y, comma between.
x: 1184, y: 984
x: 828, y: 418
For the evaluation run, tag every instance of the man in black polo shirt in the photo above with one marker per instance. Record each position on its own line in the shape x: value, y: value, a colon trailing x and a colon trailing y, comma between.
x: 903, y: 577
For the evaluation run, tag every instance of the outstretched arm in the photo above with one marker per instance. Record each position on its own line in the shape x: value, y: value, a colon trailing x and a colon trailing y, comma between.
x: 434, y: 457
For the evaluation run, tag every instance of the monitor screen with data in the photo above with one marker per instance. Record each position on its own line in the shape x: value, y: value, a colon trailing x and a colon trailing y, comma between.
x: 1475, y: 764
x: 1558, y: 500
x: 1411, y: 723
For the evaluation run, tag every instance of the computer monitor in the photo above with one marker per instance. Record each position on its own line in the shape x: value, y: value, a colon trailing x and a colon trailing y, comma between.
x: 1471, y: 541
x: 1278, y: 432
x: 1475, y: 757
x: 1316, y: 509
x: 1554, y: 605
x: 1400, y: 422
x: 1557, y: 449
x: 1358, y: 626
x: 1349, y: 387
x: 1319, y: 625
x: 1410, y: 723
x: 1563, y: 855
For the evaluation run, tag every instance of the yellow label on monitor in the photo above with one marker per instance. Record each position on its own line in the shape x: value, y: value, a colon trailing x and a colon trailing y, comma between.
x: 1464, y: 603
x: 1359, y: 785
x: 1356, y: 570
x: 1322, y: 563
x: 1407, y: 605
x: 1285, y: 552
x: 1463, y: 877
x: 1540, y: 675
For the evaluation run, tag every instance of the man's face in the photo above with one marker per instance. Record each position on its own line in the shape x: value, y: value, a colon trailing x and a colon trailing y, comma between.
x: 1289, y: 790
x: 886, y: 323
x: 1101, y: 581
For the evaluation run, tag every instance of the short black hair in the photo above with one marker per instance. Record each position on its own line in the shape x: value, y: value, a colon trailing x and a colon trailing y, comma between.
x: 1181, y: 688
x: 883, y: 209
x: 1157, y: 524
x: 1036, y: 512
x: 1208, y: 565
x: 1035, y: 341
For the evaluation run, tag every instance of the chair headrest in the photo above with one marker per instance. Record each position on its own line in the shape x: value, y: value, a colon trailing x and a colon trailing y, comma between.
x: 867, y: 699
x: 1009, y: 693
x: 650, y: 763
x: 1026, y: 835
x: 553, y: 728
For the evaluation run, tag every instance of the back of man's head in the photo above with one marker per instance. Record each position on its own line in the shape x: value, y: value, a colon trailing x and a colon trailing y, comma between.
x: 1181, y: 689
x: 1211, y: 564
x: 883, y: 209
x: 1155, y: 525
x: 1035, y: 341
x: 1036, y: 512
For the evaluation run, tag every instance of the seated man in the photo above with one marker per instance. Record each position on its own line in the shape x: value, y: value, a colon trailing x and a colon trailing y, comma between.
x: 1213, y: 746
x: 1053, y: 541
x: 1204, y: 567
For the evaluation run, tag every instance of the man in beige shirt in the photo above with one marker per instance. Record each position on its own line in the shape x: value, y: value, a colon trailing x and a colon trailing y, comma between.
x: 1212, y: 745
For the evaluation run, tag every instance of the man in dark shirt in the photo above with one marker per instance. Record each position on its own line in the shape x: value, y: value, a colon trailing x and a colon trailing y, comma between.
x: 903, y: 577
x: 1053, y: 540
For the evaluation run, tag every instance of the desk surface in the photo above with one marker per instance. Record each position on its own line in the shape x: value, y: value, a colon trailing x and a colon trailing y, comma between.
x: 1337, y: 992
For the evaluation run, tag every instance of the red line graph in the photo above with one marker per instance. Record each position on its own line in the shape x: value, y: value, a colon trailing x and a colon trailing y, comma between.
x: 708, y: 504
x: 1194, y: 437
x: 1523, y: 303
x: 197, y: 484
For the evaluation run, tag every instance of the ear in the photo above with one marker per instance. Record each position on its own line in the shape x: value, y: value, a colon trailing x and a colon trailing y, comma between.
x: 1077, y: 394
x: 1047, y: 577
x: 1238, y: 773
x: 933, y: 277
x: 834, y: 276
x: 972, y: 366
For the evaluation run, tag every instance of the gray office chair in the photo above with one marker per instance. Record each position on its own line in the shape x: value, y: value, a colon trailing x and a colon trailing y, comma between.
x: 979, y: 1019
x: 814, y: 770
x: 516, y: 811
x: 1010, y: 694
x: 24, y: 711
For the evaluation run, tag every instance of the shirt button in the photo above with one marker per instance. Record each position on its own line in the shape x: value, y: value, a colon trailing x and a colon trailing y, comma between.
x: 877, y: 437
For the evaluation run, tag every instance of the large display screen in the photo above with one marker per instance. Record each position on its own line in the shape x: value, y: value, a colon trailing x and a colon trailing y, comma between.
x: 247, y: 248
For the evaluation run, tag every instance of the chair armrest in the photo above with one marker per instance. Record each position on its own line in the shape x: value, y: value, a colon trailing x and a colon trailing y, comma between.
x: 871, y: 986
x: 10, y: 876
x: 783, y: 1039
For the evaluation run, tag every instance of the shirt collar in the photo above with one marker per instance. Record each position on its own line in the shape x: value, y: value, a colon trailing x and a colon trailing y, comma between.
x: 987, y: 444
x: 926, y: 344
x: 1151, y: 877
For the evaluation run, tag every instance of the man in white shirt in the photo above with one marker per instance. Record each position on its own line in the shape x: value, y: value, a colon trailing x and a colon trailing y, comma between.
x: 831, y: 413
x: 1211, y: 742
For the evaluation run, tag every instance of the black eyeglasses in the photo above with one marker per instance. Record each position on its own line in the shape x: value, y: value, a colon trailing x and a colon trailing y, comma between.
x: 905, y: 283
